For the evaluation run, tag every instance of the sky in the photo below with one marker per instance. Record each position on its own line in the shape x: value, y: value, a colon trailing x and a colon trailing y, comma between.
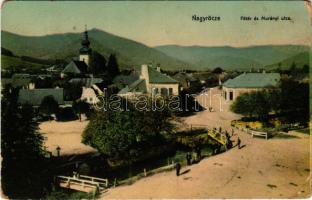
x: 164, y: 22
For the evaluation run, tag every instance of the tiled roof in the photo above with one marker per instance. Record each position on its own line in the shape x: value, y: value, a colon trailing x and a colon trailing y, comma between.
x: 35, y: 96
x: 157, y: 77
x: 254, y: 80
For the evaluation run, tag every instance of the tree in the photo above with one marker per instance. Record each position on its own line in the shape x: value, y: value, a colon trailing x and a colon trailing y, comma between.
x: 72, y: 91
x: 81, y: 107
x: 114, y: 136
x: 256, y: 103
x: 294, y: 100
x: 21, y: 149
x: 243, y: 105
x: 112, y: 66
x: 49, y: 105
x: 126, y: 135
x: 97, y: 63
x: 217, y: 70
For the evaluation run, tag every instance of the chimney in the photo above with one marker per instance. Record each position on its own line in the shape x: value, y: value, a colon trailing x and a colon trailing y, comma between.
x: 144, y: 73
x: 158, y: 67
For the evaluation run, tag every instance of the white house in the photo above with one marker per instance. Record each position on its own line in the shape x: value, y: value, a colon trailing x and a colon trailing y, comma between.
x: 151, y: 82
x: 90, y: 94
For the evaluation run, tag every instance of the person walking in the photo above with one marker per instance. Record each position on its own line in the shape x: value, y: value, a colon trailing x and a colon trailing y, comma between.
x: 178, y: 168
x: 238, y: 143
x: 188, y: 158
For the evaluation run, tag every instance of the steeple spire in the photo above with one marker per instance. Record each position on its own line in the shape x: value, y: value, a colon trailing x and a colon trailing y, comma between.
x: 85, y: 43
x: 85, y: 50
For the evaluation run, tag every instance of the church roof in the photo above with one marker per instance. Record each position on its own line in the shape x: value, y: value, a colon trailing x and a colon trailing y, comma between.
x: 35, y: 96
x: 76, y: 67
x: 254, y: 80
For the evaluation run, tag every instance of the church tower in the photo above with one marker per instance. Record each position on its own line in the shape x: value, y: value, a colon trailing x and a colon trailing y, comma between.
x: 85, y: 50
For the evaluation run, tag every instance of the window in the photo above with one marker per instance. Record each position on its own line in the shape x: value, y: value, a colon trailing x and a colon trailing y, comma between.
x: 155, y: 91
x: 231, y: 96
x: 170, y: 91
x: 164, y: 91
x: 225, y: 95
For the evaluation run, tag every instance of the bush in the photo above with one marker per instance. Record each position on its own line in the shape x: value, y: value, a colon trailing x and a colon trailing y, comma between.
x: 64, y: 194
x: 66, y: 114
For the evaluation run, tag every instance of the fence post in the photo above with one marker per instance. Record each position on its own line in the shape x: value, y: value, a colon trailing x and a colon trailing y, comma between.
x: 145, y: 172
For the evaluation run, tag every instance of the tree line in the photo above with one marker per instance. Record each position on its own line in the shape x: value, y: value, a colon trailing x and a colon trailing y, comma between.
x: 290, y: 101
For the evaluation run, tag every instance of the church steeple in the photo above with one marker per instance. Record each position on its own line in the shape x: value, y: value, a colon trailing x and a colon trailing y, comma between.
x: 85, y: 50
x: 85, y: 43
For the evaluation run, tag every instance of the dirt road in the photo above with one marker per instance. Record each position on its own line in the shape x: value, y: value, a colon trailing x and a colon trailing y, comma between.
x: 274, y: 168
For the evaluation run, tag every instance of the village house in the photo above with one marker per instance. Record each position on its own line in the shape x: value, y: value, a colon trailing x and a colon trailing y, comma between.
x: 90, y: 94
x: 185, y: 80
x: 151, y: 82
x: 19, y: 81
x: 248, y: 82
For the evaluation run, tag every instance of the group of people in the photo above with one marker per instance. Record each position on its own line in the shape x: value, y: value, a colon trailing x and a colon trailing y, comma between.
x: 191, y: 160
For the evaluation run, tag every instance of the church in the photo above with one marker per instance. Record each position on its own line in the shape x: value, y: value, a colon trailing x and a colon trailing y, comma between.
x: 80, y: 67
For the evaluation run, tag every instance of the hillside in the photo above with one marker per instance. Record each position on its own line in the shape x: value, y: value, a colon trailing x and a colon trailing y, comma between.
x: 132, y: 54
x: 299, y: 60
x: 8, y: 61
x: 64, y: 46
x: 232, y: 58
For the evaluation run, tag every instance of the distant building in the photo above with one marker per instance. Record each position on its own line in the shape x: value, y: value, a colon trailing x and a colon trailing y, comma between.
x: 185, y: 80
x: 249, y: 82
x: 19, y: 80
x: 151, y: 82
x: 34, y: 97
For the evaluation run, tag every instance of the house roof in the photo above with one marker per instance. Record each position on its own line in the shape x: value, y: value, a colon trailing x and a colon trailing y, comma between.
x: 16, y: 82
x: 157, y: 77
x: 76, y: 67
x: 35, y: 96
x: 126, y: 79
x: 137, y: 86
x: 88, y: 82
x: 254, y: 80
x: 182, y: 76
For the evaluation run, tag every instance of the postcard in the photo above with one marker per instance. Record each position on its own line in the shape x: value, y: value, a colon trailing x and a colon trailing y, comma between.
x: 155, y: 99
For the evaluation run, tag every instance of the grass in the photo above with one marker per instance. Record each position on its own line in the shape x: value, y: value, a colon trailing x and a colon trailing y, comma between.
x: 7, y: 61
x: 61, y: 194
x: 304, y: 131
